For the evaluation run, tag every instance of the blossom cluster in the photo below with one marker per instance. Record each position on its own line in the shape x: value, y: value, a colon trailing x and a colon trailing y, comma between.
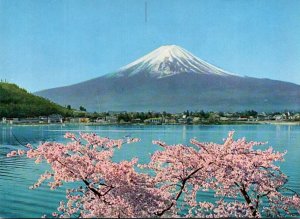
x: 170, y: 184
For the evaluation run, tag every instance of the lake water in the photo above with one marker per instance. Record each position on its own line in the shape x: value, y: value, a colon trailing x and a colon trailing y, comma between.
x: 17, y: 174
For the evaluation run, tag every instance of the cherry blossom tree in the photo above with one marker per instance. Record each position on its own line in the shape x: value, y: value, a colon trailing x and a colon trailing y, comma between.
x: 246, y: 182
x: 107, y: 188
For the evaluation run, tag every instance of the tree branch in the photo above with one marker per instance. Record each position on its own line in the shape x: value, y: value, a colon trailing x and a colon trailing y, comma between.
x: 184, y: 181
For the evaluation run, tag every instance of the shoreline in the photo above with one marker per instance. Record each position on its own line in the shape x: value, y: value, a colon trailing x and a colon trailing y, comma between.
x: 280, y: 122
x: 171, y: 124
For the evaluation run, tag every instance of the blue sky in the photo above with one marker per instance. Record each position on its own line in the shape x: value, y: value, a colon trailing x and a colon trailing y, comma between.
x: 49, y: 43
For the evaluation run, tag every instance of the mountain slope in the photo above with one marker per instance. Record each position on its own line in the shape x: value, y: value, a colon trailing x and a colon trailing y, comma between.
x: 17, y: 102
x: 172, y: 79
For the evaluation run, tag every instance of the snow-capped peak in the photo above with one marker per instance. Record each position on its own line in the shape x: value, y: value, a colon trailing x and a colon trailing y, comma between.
x: 170, y: 60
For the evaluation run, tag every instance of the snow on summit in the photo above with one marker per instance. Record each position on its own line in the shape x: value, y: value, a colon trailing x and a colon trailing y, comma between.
x: 167, y: 61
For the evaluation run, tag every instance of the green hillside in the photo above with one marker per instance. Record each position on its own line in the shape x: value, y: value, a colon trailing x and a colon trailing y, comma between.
x: 17, y: 102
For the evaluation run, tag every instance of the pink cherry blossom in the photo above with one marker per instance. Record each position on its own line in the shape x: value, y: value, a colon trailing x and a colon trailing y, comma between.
x: 246, y: 181
x: 12, y: 154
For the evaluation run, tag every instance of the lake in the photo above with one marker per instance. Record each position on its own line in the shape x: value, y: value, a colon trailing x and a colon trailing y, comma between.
x: 17, y: 174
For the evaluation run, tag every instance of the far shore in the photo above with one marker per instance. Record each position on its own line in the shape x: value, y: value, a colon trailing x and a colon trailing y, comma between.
x: 270, y: 122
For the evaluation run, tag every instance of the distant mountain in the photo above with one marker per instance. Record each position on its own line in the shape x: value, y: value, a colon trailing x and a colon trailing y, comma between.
x: 168, y: 61
x: 172, y: 79
x: 17, y: 102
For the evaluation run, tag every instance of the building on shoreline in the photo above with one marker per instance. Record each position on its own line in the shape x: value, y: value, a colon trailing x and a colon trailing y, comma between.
x: 157, y: 118
x: 154, y: 121
x: 55, y: 118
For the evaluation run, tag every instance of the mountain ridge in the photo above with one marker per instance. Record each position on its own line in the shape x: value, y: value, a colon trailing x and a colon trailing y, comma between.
x: 172, y: 79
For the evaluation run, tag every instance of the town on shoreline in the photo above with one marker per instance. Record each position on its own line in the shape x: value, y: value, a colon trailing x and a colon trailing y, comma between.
x: 162, y: 118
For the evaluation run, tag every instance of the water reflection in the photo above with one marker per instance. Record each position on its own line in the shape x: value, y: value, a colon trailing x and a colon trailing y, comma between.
x: 184, y: 132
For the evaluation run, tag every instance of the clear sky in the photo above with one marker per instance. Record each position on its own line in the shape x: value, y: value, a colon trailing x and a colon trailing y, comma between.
x: 49, y: 43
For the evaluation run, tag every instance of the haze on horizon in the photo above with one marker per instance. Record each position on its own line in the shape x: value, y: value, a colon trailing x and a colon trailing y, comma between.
x: 45, y: 44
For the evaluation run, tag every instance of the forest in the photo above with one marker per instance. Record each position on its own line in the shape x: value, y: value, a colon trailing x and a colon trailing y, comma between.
x: 17, y: 102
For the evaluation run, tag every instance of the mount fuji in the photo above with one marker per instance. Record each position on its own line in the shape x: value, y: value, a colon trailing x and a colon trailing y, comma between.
x: 172, y: 79
x: 168, y: 61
